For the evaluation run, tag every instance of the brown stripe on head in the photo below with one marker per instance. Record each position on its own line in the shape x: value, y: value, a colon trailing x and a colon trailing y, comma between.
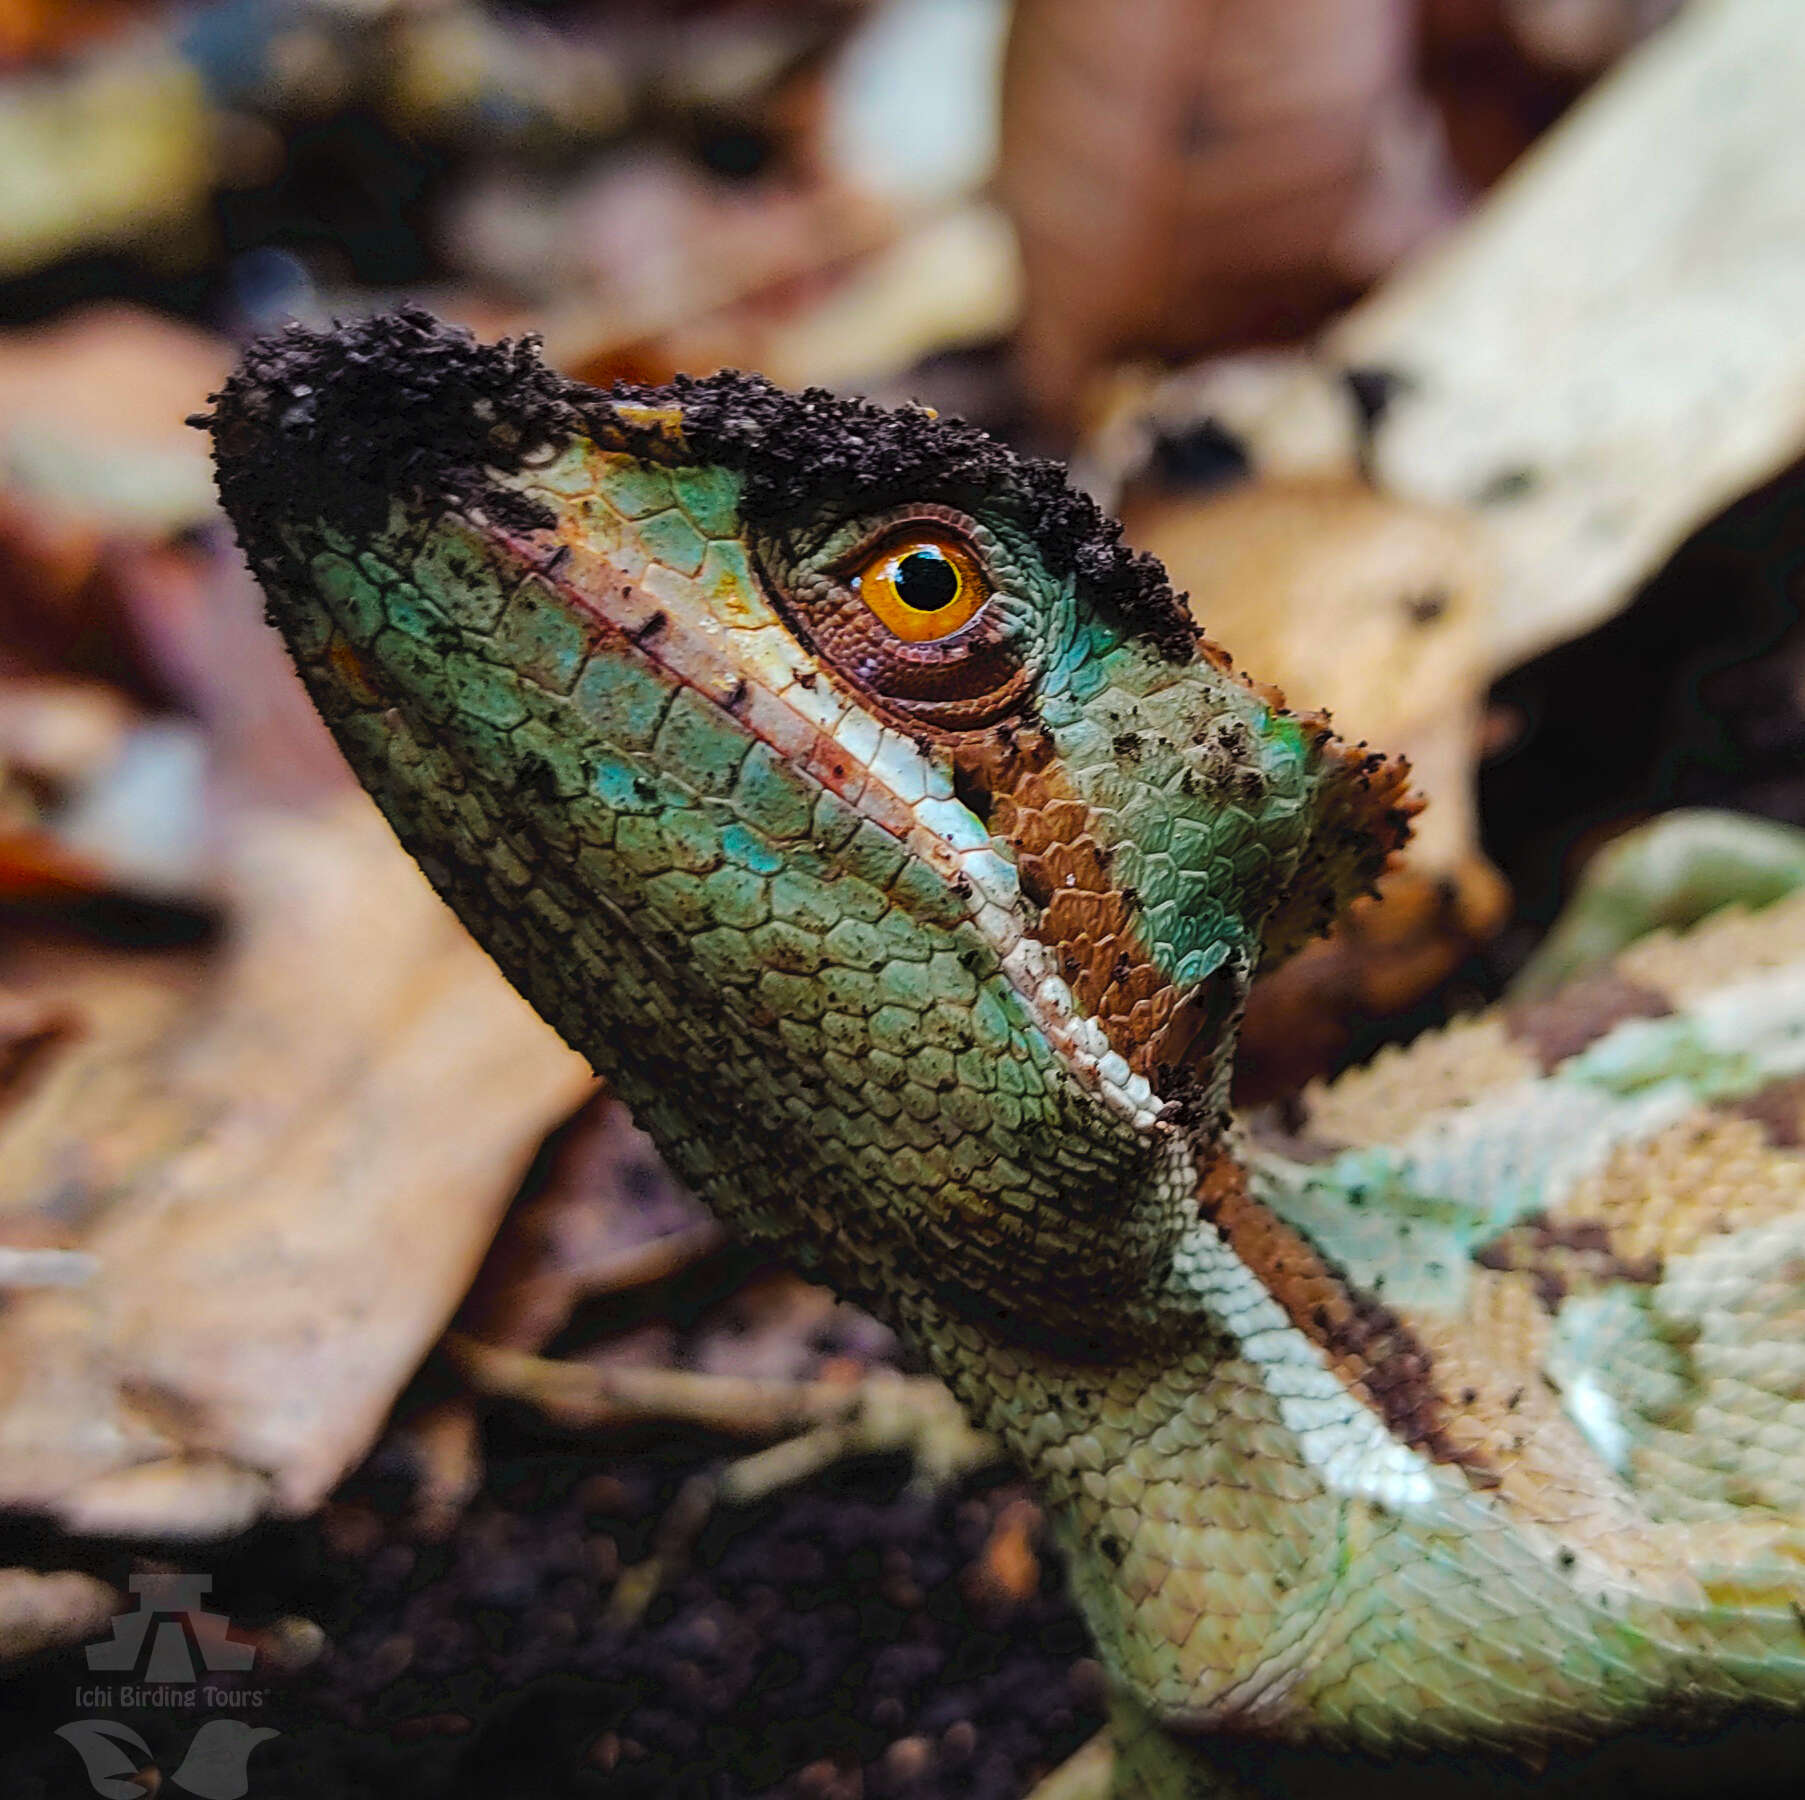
x: 1013, y: 780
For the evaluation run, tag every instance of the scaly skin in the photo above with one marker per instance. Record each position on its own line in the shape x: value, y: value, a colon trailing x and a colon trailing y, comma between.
x: 1464, y: 1422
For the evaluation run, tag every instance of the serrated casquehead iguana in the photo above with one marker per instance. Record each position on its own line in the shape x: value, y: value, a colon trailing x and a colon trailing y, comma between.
x: 885, y: 833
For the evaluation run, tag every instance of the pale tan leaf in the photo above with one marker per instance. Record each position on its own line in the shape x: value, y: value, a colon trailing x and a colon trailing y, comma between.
x: 1609, y: 351
x: 285, y: 1163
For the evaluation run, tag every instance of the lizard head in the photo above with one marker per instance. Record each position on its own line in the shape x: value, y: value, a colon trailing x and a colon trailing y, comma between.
x: 831, y: 777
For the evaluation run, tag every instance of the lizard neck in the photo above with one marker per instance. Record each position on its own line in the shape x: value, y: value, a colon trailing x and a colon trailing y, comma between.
x: 1201, y: 1477
x: 1346, y: 1385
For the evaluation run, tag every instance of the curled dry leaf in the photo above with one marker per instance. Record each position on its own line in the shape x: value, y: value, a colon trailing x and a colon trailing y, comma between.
x: 1187, y: 176
x: 1607, y: 353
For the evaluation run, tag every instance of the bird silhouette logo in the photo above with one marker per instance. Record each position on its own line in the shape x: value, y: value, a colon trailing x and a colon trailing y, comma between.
x: 217, y: 1766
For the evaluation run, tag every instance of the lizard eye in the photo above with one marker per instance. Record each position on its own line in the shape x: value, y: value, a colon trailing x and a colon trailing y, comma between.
x: 914, y: 617
x: 923, y: 584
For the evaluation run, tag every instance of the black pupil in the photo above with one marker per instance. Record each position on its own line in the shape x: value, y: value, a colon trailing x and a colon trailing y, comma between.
x: 926, y: 581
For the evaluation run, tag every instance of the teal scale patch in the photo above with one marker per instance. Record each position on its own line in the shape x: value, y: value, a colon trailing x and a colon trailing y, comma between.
x: 635, y: 490
x: 771, y: 796
x: 711, y: 498
x: 697, y: 740
x: 454, y: 572
x: 355, y: 601
x: 670, y: 539
x: 543, y: 638
x: 622, y: 698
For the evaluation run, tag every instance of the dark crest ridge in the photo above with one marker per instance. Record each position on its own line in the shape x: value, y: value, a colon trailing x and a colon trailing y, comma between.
x: 335, y: 423
x: 339, y: 421
x: 793, y: 448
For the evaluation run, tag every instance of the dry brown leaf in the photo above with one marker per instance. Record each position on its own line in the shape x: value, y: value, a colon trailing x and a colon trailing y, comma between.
x: 605, y: 1217
x: 1185, y: 176
x: 285, y: 1163
x: 48, y: 1611
x: 91, y: 417
x: 98, y: 469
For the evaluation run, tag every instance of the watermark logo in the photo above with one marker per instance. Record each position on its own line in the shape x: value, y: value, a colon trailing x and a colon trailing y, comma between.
x: 161, y: 1640
x: 166, y: 1654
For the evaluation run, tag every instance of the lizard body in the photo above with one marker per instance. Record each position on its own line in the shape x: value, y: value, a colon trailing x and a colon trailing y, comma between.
x: 881, y: 829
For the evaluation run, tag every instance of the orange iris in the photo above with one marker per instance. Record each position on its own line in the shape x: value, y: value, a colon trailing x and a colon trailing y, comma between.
x: 924, y: 585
